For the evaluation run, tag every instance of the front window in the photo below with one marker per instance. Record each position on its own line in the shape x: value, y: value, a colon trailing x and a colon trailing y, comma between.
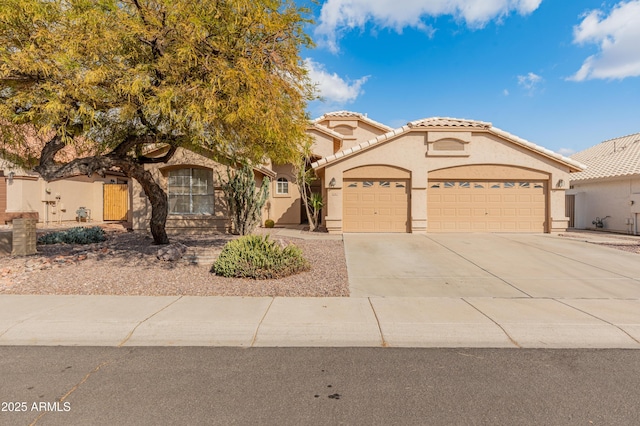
x: 282, y: 186
x: 191, y: 191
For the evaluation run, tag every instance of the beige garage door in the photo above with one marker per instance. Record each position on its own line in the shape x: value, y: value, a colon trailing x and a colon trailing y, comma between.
x: 376, y: 205
x: 488, y: 206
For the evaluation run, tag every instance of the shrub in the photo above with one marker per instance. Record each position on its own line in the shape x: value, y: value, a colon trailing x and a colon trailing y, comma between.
x: 269, y: 223
x: 77, y: 235
x: 258, y: 257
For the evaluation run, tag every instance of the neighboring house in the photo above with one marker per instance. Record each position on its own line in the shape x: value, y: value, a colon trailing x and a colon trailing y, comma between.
x: 437, y: 175
x: 25, y: 194
x: 608, y: 191
x: 80, y: 198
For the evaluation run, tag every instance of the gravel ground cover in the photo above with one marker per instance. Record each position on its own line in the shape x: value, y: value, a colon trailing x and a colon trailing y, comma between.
x: 127, y: 264
x: 633, y: 248
x: 617, y: 241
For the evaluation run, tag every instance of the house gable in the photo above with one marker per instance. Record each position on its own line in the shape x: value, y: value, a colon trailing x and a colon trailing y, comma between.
x: 352, y: 127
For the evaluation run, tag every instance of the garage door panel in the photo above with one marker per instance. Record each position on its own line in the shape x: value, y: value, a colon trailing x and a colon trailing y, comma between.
x: 380, y: 205
x: 490, y: 206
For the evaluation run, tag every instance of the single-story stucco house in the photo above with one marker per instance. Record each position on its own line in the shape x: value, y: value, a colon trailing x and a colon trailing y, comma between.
x: 438, y: 175
x: 606, y: 195
x: 431, y: 175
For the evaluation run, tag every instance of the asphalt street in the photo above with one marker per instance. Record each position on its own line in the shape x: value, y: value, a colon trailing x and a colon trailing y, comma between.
x: 309, y: 386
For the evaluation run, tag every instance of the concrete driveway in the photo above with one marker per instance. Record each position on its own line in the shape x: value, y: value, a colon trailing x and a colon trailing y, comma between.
x: 488, y: 265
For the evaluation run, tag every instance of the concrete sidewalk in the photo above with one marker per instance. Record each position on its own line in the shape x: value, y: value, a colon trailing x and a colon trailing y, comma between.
x: 254, y: 322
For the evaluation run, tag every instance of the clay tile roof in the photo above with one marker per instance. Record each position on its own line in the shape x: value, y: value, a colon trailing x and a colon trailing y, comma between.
x: 351, y: 114
x: 611, y: 158
x: 451, y: 122
x: 28, y: 143
x: 448, y: 122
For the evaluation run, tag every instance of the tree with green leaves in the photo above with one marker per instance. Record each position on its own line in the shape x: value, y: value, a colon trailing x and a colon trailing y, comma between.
x: 112, y: 77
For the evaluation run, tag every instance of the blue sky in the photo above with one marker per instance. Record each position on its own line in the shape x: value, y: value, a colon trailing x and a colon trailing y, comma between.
x: 564, y: 74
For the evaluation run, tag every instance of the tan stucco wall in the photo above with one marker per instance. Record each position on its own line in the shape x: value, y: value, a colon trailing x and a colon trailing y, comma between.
x: 322, y: 143
x: 285, y: 209
x: 58, y: 200
x: 141, y: 208
x: 611, y: 197
x: 409, y: 151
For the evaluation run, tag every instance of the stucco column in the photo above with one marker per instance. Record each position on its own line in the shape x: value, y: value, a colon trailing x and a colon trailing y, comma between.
x: 418, y: 210
x: 333, y: 219
x: 557, y: 193
x: 418, y: 201
x: 559, y: 219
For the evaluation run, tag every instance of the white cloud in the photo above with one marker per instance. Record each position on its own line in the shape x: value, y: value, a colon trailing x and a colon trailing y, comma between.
x: 505, y: 92
x: 331, y: 87
x: 338, y: 16
x: 618, y: 38
x: 530, y: 82
x: 566, y: 151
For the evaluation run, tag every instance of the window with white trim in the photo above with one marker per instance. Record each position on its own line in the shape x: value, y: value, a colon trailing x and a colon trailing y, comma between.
x: 282, y: 186
x: 190, y: 191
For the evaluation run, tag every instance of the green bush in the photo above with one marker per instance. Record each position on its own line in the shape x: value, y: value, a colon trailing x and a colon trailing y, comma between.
x: 77, y: 235
x: 258, y: 257
x: 269, y: 223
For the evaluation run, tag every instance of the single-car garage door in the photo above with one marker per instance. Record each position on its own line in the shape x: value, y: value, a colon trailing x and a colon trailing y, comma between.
x: 376, y: 205
x: 486, y: 206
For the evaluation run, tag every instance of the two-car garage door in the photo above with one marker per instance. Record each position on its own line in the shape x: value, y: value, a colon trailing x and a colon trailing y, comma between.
x: 486, y: 206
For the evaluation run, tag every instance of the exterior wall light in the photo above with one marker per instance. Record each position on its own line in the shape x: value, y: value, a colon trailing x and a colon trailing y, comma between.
x: 10, y: 177
x: 560, y: 183
x: 332, y: 182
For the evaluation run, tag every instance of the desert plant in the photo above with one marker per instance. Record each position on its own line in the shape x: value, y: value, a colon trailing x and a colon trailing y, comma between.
x: 245, y: 202
x: 312, y: 202
x: 258, y: 257
x: 316, y: 203
x: 269, y: 223
x: 77, y: 235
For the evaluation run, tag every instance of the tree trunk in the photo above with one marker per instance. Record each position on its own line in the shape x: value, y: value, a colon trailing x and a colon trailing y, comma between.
x: 159, y: 203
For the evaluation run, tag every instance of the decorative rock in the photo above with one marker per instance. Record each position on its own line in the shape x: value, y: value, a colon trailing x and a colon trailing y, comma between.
x: 172, y: 252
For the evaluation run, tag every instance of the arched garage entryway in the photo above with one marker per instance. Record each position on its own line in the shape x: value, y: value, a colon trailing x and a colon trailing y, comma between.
x: 487, y: 198
x: 376, y: 199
